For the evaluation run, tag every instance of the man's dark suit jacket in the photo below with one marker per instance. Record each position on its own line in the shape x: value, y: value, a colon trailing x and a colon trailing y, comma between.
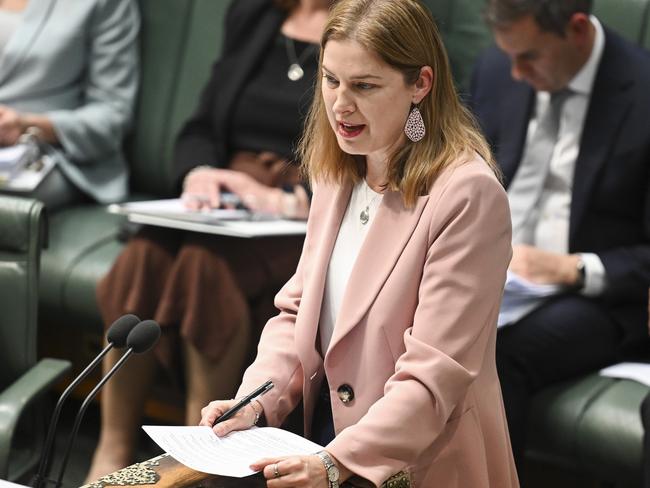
x: 251, y: 26
x: 610, y: 207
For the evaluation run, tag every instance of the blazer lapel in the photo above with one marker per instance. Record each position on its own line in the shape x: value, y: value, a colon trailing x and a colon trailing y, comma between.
x: 35, y: 15
x: 609, y: 103
x: 385, y: 241
x: 515, y: 115
x: 314, y: 280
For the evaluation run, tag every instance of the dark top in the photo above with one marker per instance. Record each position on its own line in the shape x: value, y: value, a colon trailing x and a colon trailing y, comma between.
x: 270, y: 111
x: 251, y: 56
x: 610, y: 205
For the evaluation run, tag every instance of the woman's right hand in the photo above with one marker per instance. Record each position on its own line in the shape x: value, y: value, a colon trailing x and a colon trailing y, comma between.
x: 242, y: 420
x: 203, y: 186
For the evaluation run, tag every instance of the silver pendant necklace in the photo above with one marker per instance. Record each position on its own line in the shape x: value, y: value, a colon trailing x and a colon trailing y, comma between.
x: 295, y: 71
x: 364, y: 216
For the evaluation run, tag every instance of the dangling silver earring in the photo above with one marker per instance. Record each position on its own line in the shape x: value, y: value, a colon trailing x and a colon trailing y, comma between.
x: 414, y: 128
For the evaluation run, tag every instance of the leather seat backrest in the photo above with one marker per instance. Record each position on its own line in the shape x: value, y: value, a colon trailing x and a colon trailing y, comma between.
x: 464, y: 33
x: 627, y: 17
x: 179, y: 41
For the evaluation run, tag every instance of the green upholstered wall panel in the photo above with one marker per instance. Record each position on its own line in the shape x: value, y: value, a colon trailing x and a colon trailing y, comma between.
x: 464, y: 33
x: 203, y: 45
x: 627, y: 17
x: 179, y: 41
x: 162, y: 38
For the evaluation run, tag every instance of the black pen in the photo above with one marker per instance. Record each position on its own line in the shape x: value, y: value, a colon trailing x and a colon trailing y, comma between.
x: 245, y: 401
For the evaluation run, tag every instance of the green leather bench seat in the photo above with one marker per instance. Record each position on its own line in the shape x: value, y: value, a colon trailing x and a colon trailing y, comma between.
x: 590, y: 425
x: 83, y: 244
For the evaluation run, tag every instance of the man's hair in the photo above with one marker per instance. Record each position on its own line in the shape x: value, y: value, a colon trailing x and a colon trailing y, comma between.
x: 550, y: 15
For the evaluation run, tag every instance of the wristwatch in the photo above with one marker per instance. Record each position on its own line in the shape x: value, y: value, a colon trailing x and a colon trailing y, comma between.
x: 580, y: 267
x: 330, y: 468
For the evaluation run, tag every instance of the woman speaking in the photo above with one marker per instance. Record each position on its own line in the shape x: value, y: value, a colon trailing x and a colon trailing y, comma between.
x: 387, y: 330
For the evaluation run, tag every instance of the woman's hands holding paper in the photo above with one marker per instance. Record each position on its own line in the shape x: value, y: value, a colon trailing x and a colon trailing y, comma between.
x: 242, y: 420
x: 298, y: 471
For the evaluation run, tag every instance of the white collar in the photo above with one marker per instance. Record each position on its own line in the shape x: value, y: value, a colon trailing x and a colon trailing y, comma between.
x: 583, y: 81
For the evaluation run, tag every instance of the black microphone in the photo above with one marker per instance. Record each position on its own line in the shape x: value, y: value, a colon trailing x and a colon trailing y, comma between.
x: 116, y: 337
x: 140, y: 340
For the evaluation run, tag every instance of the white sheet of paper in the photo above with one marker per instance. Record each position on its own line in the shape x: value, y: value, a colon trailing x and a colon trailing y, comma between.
x: 521, y: 297
x: 174, y: 207
x: 631, y: 371
x: 172, y: 213
x: 201, y: 449
x: 10, y: 154
x: 9, y: 484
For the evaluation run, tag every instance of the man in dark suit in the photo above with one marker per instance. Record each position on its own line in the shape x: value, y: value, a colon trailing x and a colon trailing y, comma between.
x: 564, y: 103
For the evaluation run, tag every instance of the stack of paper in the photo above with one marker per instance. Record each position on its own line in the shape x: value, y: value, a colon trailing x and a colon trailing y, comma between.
x: 521, y: 297
x: 238, y: 223
x: 639, y: 372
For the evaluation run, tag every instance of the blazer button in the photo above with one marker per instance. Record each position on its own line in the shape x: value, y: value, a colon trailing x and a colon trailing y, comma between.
x: 346, y: 393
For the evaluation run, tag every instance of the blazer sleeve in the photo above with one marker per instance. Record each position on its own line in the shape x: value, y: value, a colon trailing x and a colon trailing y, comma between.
x: 454, y: 326
x: 277, y: 359
x: 627, y: 268
x: 98, y: 126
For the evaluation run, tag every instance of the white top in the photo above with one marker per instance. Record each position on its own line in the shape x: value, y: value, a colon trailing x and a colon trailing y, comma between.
x: 548, y: 227
x: 9, y: 21
x: 348, y: 243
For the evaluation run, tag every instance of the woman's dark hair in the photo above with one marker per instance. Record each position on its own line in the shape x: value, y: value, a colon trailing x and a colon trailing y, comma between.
x: 550, y: 15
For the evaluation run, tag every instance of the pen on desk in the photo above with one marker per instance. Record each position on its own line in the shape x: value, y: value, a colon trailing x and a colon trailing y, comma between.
x: 244, y: 401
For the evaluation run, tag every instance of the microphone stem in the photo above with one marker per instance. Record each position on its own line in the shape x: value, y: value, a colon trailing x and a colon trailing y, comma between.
x: 82, y: 410
x: 44, y: 463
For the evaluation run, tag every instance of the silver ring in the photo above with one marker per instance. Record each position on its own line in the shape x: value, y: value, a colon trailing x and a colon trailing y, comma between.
x: 276, y: 473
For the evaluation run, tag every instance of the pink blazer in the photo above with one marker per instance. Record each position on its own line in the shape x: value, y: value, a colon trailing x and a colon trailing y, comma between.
x: 414, y: 340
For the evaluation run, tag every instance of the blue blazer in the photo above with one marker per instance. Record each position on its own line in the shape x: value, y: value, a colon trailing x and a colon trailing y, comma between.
x: 610, y: 207
x: 77, y: 62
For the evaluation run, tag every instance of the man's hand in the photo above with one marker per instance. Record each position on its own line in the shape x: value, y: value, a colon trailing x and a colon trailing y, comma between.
x: 544, y: 267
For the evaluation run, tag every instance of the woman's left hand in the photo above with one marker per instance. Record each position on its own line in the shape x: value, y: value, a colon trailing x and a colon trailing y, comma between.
x: 298, y: 471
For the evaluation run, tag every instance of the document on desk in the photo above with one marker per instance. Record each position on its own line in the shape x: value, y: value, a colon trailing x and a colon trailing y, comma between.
x: 172, y: 213
x: 9, y: 484
x: 520, y: 297
x: 201, y: 449
x: 639, y: 372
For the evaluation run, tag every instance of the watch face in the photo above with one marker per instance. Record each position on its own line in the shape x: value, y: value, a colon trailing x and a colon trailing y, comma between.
x: 333, y: 473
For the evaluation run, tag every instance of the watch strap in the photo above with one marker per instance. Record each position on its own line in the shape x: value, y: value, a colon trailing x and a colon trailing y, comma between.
x: 330, y: 468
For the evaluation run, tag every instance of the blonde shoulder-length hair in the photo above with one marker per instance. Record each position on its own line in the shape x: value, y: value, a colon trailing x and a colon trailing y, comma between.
x: 404, y: 35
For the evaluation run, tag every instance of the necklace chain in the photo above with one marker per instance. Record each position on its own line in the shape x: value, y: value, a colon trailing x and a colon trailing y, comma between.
x: 364, y: 216
x: 296, y: 72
